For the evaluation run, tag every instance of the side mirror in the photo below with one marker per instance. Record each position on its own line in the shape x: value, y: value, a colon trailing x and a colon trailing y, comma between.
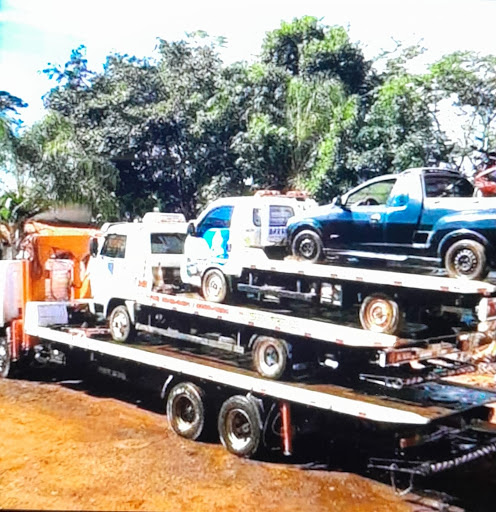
x: 341, y: 202
x: 93, y: 247
x: 191, y: 230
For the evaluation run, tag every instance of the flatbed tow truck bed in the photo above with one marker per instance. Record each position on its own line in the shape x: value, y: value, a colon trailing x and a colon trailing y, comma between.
x: 413, y: 419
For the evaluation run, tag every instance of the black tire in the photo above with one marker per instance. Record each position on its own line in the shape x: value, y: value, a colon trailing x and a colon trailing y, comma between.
x: 270, y: 357
x: 379, y: 313
x: 214, y: 286
x: 121, y: 326
x: 307, y: 245
x: 5, y: 360
x: 466, y: 259
x: 240, y: 426
x: 186, y: 410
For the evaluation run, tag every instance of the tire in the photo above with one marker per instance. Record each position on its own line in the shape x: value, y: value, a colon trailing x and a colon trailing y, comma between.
x: 121, y: 325
x: 4, y: 357
x: 270, y: 357
x: 240, y: 427
x: 307, y: 245
x: 466, y: 259
x: 214, y: 286
x: 186, y: 410
x: 379, y: 313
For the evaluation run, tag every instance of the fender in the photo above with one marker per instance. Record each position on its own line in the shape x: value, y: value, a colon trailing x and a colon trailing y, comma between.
x: 460, y: 234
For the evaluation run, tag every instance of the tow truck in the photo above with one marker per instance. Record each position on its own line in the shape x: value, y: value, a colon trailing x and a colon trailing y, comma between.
x: 415, y: 425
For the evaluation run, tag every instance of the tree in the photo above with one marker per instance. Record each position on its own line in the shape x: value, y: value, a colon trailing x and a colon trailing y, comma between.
x: 468, y: 81
x: 147, y: 117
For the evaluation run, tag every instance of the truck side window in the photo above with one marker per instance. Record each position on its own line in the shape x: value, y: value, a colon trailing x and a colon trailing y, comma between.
x: 447, y: 186
x: 114, y: 246
x: 372, y: 195
x: 219, y: 217
x: 167, y: 243
x: 279, y: 215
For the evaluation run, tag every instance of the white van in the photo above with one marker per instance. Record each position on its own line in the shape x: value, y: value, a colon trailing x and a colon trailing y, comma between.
x: 232, y: 229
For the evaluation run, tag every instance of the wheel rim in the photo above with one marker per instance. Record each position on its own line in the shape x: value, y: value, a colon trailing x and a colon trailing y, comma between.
x: 239, y: 429
x: 465, y: 261
x: 184, y: 413
x: 120, y: 325
x: 308, y: 248
x: 271, y: 356
x: 380, y: 315
x: 214, y: 286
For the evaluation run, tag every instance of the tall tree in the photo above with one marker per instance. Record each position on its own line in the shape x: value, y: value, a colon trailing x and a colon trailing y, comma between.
x: 467, y: 82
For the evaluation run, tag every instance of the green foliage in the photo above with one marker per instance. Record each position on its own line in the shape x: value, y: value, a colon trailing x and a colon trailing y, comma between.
x: 468, y: 81
x: 180, y: 129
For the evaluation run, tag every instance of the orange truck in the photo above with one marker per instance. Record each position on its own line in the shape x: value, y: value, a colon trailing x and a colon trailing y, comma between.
x: 51, y: 267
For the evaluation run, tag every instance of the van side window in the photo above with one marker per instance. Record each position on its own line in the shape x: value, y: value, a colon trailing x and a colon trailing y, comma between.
x: 257, y: 221
x: 219, y: 217
x: 279, y: 215
x: 114, y: 246
x: 167, y: 243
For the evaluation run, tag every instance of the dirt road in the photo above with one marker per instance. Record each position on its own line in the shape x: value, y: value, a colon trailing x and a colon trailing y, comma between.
x: 65, y: 449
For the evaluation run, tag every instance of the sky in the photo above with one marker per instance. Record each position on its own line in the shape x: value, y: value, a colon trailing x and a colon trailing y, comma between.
x: 34, y: 33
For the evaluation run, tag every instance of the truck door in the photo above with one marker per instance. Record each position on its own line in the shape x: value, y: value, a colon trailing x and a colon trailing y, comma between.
x: 403, y: 211
x: 214, y: 229
x: 367, y: 210
x: 108, y: 270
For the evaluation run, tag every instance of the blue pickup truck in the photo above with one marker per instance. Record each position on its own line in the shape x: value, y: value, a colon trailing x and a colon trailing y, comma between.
x: 420, y: 215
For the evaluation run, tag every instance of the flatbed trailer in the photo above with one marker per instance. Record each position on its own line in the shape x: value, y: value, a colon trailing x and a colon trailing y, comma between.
x: 281, y: 343
x: 419, y: 429
x: 386, y: 300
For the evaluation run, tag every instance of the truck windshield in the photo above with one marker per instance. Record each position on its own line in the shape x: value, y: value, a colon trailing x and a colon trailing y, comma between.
x: 167, y: 243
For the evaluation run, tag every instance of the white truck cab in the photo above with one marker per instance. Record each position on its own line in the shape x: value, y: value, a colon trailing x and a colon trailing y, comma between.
x: 133, y: 255
x: 231, y: 230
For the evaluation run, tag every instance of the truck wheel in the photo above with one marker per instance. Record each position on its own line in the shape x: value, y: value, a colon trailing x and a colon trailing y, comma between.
x: 239, y: 426
x: 466, y: 259
x: 214, y: 285
x: 379, y: 313
x: 121, y: 326
x: 270, y: 357
x: 186, y: 410
x: 4, y: 357
x: 307, y: 245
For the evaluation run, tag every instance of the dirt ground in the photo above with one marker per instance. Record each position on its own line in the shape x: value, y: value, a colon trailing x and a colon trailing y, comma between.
x: 66, y: 449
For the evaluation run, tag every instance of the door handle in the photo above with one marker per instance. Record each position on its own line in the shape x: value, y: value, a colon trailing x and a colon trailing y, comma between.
x: 375, y: 218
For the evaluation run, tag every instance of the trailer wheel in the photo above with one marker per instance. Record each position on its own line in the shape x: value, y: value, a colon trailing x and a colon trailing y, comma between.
x: 214, y: 285
x: 466, y: 259
x: 239, y: 424
x: 270, y: 356
x: 379, y: 313
x: 186, y: 410
x: 121, y: 325
x: 4, y: 357
x: 307, y: 245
